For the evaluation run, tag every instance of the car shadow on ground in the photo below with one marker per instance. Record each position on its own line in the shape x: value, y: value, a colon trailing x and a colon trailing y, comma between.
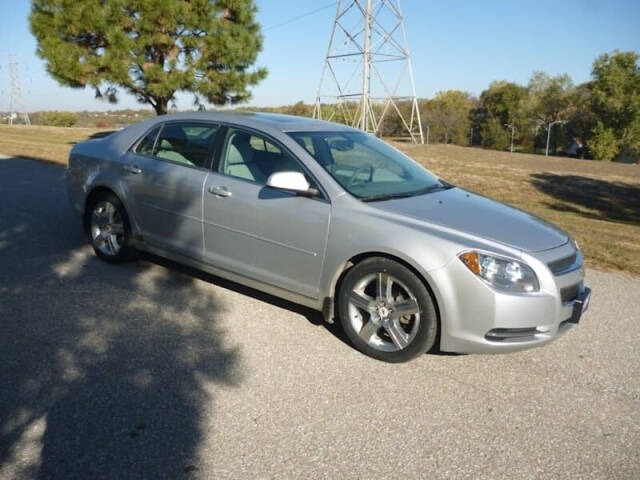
x: 106, y: 371
x: 591, y: 197
x: 313, y: 316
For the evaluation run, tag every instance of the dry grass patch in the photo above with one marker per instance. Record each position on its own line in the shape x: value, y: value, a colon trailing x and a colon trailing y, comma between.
x: 51, y: 144
x: 598, y: 203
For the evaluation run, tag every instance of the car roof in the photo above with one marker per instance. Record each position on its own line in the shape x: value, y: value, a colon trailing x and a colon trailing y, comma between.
x: 261, y: 120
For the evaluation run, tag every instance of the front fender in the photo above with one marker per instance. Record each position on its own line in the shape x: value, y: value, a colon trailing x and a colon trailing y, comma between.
x: 357, y: 229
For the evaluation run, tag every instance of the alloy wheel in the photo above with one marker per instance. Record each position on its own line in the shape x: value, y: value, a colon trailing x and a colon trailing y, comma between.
x: 107, y: 228
x: 384, y: 312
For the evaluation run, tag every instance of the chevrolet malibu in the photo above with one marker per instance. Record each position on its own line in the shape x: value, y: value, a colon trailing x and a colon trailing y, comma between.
x: 335, y: 219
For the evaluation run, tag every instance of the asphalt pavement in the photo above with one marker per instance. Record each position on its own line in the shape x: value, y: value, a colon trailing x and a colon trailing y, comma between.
x: 153, y: 370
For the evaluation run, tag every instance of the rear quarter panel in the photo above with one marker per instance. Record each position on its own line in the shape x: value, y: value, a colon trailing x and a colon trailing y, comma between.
x: 98, y: 163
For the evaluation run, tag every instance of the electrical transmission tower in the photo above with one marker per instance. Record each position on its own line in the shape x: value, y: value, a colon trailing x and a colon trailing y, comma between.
x: 16, y: 105
x: 367, y: 73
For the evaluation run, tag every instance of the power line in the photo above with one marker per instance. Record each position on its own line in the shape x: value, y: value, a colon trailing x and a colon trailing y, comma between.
x: 291, y: 20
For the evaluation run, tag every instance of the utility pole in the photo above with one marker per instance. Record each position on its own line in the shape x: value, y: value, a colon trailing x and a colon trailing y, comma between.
x: 513, y: 131
x: 16, y: 106
x: 366, y: 33
x: 471, y: 137
x: 561, y: 122
x: 366, y: 70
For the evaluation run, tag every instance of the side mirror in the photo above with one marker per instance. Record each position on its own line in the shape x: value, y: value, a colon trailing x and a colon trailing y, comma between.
x: 292, y: 181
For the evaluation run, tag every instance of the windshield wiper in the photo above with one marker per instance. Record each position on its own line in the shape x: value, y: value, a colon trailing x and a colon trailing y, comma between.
x: 392, y: 196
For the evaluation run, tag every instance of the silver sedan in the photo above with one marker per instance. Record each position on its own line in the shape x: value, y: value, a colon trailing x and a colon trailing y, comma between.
x: 337, y: 220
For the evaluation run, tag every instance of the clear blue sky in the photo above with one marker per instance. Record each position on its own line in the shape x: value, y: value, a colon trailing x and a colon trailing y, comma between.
x: 454, y: 44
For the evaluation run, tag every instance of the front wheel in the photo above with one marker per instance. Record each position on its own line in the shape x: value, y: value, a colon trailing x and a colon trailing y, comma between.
x: 387, y: 311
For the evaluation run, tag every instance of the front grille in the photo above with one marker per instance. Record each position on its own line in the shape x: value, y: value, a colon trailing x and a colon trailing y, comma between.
x: 558, y: 266
x: 570, y: 293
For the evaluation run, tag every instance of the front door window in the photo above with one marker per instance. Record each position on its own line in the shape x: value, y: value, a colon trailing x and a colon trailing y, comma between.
x: 254, y: 158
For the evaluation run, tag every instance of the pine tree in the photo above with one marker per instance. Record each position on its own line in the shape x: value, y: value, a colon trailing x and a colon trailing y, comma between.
x: 151, y: 48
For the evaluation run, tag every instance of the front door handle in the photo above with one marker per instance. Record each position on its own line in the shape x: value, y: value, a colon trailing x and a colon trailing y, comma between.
x: 133, y: 169
x: 219, y: 191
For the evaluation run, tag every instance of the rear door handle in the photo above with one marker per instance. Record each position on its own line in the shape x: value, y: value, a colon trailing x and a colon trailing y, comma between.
x: 133, y: 169
x: 219, y: 191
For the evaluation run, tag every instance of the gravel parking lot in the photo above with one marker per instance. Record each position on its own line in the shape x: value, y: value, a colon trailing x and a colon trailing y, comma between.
x: 152, y: 370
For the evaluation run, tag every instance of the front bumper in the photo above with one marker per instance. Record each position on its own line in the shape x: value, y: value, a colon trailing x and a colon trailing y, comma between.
x: 475, y: 318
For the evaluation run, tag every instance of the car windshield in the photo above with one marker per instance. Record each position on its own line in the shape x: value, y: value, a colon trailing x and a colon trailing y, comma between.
x: 367, y: 167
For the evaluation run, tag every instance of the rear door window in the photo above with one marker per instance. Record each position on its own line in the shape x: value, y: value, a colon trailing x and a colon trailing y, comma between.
x: 186, y: 143
x: 145, y: 147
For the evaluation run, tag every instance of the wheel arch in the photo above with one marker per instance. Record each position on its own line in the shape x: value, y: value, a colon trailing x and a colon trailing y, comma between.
x: 93, y: 193
x: 330, y: 306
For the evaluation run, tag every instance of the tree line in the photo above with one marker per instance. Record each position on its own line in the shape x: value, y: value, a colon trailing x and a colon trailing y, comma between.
x: 597, y: 119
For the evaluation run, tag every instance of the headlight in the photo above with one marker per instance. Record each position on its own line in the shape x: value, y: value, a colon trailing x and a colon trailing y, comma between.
x: 501, y: 273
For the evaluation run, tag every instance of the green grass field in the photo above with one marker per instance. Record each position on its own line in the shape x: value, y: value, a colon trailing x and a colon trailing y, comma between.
x: 598, y: 203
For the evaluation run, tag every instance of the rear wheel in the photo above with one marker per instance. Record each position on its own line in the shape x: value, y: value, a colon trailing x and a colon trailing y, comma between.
x: 386, y: 311
x: 109, y: 229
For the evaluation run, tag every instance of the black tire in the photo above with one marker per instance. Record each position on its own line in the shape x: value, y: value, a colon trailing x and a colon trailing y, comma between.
x: 427, y: 328
x: 126, y: 251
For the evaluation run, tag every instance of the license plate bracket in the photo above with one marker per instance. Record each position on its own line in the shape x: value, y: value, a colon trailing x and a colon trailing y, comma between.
x: 580, y: 305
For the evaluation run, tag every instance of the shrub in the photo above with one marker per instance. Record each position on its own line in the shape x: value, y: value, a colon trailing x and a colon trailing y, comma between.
x: 57, y: 119
x: 495, y: 135
x: 604, y: 144
x: 103, y: 124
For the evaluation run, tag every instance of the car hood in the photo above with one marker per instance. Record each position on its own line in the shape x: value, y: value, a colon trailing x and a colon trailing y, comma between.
x: 478, y: 215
